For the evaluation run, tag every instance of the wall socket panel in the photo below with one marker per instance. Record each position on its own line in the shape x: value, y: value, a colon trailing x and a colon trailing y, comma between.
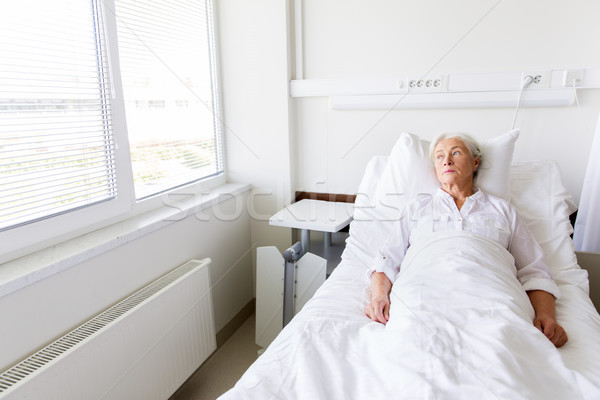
x: 427, y: 84
x: 572, y: 78
x: 541, y: 79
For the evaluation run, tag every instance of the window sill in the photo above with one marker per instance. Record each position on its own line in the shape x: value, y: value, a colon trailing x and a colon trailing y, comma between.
x: 34, y: 267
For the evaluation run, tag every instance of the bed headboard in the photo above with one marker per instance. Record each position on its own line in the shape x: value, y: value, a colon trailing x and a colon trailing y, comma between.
x: 340, y: 198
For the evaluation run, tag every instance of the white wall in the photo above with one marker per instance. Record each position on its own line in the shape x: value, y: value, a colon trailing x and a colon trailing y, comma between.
x: 349, y: 38
x: 254, y: 53
x: 39, y: 313
x: 386, y: 38
x: 281, y: 144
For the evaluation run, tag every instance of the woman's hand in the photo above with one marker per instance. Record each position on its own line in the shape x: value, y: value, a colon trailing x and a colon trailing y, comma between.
x: 378, y: 308
x: 553, y: 331
x: 544, y: 305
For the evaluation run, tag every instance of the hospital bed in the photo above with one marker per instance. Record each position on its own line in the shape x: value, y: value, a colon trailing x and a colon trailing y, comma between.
x: 463, y: 331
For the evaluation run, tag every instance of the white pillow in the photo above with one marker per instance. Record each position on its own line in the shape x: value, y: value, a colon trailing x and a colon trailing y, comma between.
x: 410, y: 171
x: 494, y: 171
x: 407, y: 173
x: 388, y: 184
x: 541, y: 198
x: 360, y: 242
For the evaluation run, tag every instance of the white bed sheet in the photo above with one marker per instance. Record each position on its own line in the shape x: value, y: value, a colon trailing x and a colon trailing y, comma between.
x: 331, y: 350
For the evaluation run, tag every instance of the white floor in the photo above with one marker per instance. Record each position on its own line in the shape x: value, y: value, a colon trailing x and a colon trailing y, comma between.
x: 222, y: 370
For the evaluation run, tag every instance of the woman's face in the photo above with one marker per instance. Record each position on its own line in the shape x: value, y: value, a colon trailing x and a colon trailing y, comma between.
x: 453, y: 162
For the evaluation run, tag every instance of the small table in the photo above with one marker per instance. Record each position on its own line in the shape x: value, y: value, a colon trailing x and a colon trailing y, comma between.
x: 315, y: 215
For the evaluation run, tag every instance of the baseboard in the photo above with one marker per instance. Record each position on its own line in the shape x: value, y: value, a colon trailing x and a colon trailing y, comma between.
x: 229, y: 329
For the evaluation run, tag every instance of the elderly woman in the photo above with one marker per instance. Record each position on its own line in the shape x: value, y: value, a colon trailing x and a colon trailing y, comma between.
x: 456, y: 159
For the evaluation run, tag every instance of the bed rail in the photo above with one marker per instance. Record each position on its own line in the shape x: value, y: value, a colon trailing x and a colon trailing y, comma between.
x: 291, y: 256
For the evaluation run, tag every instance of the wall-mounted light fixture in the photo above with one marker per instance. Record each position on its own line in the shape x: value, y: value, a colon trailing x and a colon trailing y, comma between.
x: 472, y: 90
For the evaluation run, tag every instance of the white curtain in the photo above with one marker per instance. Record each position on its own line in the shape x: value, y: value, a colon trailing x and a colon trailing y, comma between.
x: 587, y: 226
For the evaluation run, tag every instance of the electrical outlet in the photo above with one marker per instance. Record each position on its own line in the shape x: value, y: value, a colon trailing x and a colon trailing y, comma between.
x: 572, y: 78
x: 541, y: 79
x: 426, y: 84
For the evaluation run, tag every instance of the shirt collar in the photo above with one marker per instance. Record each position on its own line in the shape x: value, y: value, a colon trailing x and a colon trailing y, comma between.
x: 478, y: 195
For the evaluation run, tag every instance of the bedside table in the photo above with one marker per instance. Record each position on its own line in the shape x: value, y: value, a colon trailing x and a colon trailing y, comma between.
x: 314, y: 215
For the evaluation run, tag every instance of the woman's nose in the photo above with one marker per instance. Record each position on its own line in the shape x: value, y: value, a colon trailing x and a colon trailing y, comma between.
x: 448, y: 160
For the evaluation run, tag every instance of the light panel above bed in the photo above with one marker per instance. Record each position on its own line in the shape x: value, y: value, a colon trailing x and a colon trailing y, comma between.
x: 491, y: 89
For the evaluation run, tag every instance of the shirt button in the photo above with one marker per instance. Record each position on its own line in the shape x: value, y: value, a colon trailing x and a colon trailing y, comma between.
x: 384, y: 258
x: 460, y: 220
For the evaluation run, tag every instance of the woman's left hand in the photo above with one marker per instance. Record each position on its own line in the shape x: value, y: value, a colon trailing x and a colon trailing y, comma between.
x: 552, y: 329
x: 545, y: 317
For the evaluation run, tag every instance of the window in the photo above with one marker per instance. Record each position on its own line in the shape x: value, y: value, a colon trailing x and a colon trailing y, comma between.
x: 167, y: 67
x: 56, y: 143
x: 101, y: 103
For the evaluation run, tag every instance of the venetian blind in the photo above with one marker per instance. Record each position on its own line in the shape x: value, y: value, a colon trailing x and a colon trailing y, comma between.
x: 56, y: 145
x: 167, y: 69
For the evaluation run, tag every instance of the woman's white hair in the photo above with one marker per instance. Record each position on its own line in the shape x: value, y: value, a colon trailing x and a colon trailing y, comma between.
x: 470, y: 142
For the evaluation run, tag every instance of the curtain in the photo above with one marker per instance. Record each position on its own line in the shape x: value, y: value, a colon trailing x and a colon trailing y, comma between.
x: 587, y: 226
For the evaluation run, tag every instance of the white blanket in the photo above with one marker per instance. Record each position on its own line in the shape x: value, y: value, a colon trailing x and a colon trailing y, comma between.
x: 460, y: 328
x: 466, y: 323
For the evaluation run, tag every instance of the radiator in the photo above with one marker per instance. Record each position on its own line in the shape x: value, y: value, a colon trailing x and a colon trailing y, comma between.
x: 144, y: 347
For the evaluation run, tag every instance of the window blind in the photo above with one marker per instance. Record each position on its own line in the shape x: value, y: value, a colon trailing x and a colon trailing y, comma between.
x: 56, y: 144
x: 166, y: 55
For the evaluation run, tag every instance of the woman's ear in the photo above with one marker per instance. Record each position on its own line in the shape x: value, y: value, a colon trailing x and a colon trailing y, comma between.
x: 475, y: 164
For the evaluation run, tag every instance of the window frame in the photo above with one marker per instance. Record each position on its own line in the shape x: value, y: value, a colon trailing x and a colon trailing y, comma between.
x: 22, y: 240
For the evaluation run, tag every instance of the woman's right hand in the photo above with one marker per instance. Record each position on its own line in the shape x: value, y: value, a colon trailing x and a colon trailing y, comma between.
x: 378, y: 308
